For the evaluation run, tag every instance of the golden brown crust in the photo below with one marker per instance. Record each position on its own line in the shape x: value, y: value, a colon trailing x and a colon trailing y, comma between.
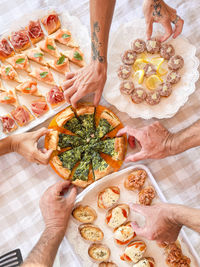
x: 119, y: 148
x: 52, y: 139
x: 135, y: 180
x: 107, y: 264
x: 99, y: 174
x: 4, y: 58
x: 81, y: 183
x: 55, y: 161
x: 82, y: 110
x: 95, y: 248
x: 100, y: 203
x: 110, y: 117
x: 96, y: 236
x: 65, y: 116
x: 84, y: 214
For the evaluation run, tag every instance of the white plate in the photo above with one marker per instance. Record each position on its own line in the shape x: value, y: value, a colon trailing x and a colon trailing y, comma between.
x: 89, y: 197
x: 120, y: 41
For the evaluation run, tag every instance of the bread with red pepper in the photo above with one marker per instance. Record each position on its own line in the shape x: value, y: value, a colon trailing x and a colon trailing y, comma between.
x: 117, y: 215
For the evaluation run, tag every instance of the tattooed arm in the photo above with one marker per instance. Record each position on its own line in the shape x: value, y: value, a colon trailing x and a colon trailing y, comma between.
x: 92, y: 78
x: 158, y: 11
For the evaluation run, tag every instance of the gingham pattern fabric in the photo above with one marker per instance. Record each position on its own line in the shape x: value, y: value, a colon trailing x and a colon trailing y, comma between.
x: 22, y: 183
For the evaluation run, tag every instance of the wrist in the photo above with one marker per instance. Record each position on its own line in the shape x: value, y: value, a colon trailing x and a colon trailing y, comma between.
x: 10, y: 143
x: 175, y: 214
x: 55, y: 231
x: 171, y: 143
x: 100, y: 68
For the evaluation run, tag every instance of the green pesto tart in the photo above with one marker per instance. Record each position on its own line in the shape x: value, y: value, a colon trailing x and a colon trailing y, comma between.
x: 84, y: 143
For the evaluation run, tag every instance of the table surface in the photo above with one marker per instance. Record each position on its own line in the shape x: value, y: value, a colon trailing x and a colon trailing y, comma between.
x: 22, y: 183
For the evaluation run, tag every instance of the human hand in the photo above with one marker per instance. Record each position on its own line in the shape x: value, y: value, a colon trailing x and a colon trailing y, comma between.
x: 158, y: 11
x: 154, y: 139
x: 90, y: 79
x: 26, y: 145
x: 55, y: 208
x: 160, y: 222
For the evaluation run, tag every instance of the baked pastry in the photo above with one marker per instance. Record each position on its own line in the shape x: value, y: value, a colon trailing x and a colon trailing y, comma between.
x: 127, y: 87
x: 107, y: 264
x: 108, y: 197
x: 43, y: 74
x: 145, y: 262
x: 99, y: 252
x: 114, y: 147
x: 138, y: 95
x: 8, y: 124
x: 22, y: 115
x: 135, y: 180
x: 149, y: 69
x: 167, y: 51
x: 35, y: 31
x: 153, y: 46
x: 29, y: 87
x: 60, y: 65
x: 8, y: 73
x: 20, y: 40
x: 129, y: 57
x: 134, y: 251
x: 124, y: 72
x: 66, y: 140
x: 117, y: 215
x: 52, y: 139
x: 84, y: 214
x: 51, y: 22
x: 146, y: 195
x: 173, y: 77
x: 6, y: 50
x: 36, y: 55
x: 91, y: 232
x: 153, y: 98
x: 165, y: 89
x: 124, y: 234
x: 176, y: 63
x: 39, y: 107
x: 139, y: 46
x: 64, y: 37
x: 20, y: 62
x: 49, y: 46
x: 75, y: 56
x: 100, y: 167
x: 55, y: 96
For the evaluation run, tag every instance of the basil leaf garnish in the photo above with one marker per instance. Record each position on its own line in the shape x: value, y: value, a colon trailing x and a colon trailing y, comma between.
x: 60, y: 60
x: 64, y: 36
x: 7, y: 70
x: 50, y: 47
x: 20, y: 60
x: 6, y: 97
x: 28, y: 88
x: 43, y: 74
x: 38, y: 55
x: 77, y: 56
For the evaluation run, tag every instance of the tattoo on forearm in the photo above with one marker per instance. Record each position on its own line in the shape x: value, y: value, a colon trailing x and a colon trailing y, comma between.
x: 157, y: 8
x: 96, y: 44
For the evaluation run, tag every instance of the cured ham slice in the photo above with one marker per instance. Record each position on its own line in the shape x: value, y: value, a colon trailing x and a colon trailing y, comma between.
x: 6, y: 50
x: 28, y: 87
x: 39, y: 107
x: 61, y: 64
x: 8, y: 124
x: 8, y: 73
x: 51, y: 22
x: 8, y: 98
x: 20, y: 40
x: 20, y: 61
x: 43, y: 74
x: 75, y: 56
x: 36, y: 55
x: 64, y: 36
x: 35, y: 31
x: 55, y: 96
x: 22, y: 115
x: 49, y: 46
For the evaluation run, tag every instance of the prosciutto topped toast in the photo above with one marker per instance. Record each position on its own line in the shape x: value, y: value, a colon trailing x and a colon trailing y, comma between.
x: 35, y: 31
x: 20, y: 40
x: 51, y: 22
x: 20, y: 62
x: 6, y: 50
x: 28, y: 87
x: 55, y: 96
x: 39, y: 107
x: 64, y: 37
x: 8, y: 124
x: 22, y: 115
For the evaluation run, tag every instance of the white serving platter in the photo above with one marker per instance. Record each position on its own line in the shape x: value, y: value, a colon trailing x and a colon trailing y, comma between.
x: 89, y: 197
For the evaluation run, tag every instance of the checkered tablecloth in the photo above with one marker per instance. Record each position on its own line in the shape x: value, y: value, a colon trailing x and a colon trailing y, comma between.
x: 22, y: 183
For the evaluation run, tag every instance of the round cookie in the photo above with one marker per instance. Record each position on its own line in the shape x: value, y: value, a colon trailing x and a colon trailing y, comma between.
x: 153, y: 98
x: 138, y: 95
x: 139, y: 46
x: 149, y: 69
x: 129, y: 57
x: 153, y: 46
x: 165, y: 89
x: 124, y: 72
x: 176, y: 63
x: 127, y: 87
x: 167, y: 51
x: 173, y: 77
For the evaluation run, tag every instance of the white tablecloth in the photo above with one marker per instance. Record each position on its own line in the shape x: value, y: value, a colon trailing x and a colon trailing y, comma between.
x: 22, y: 183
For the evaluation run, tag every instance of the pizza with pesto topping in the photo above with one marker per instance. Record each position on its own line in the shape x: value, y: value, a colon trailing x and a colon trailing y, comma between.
x: 84, y: 143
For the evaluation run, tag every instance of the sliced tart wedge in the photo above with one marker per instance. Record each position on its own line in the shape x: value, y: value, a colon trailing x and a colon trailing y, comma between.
x: 86, y: 116
x: 114, y: 147
x: 100, y: 166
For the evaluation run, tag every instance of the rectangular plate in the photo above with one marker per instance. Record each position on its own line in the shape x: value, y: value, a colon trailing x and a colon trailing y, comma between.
x: 89, y: 197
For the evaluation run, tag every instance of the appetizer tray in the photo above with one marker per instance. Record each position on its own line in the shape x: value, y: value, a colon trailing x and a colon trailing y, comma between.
x: 80, y: 35
x: 120, y: 41
x: 89, y: 197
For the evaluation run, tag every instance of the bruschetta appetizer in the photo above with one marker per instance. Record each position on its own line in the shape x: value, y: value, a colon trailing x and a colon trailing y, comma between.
x: 22, y: 115
x: 6, y: 50
x: 91, y: 232
x: 99, y: 252
x: 43, y: 74
x: 8, y: 73
x: 20, y: 40
x: 64, y: 36
x: 8, y: 98
x: 49, y: 46
x: 146, y: 195
x: 60, y: 65
x: 117, y: 215
x: 134, y: 251
x: 36, y: 55
x: 124, y: 234
x: 51, y: 22
x: 145, y: 262
x: 107, y: 264
x: 55, y: 96
x: 8, y: 124
x: 39, y: 107
x: 108, y: 197
x: 20, y: 62
x: 75, y: 56
x: 135, y: 180
x: 84, y: 214
x: 35, y: 31
x: 29, y: 87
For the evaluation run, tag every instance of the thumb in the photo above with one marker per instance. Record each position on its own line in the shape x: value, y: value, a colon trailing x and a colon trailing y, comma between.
x: 71, y: 197
x: 139, y: 208
x: 97, y: 97
x: 137, y: 229
x: 39, y: 133
x: 136, y: 157
x: 149, y: 29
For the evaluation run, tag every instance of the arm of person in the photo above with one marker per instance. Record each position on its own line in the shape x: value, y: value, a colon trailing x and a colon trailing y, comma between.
x: 157, y: 142
x: 56, y: 210
x: 158, y: 11
x: 92, y: 78
x: 26, y: 145
x: 164, y: 221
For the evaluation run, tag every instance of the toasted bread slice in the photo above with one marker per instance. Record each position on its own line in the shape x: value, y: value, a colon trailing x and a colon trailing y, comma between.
x: 99, y: 252
x: 149, y: 262
x: 8, y: 124
x: 117, y: 215
x: 36, y: 55
x: 108, y: 197
x: 134, y: 251
x: 91, y: 232
x: 49, y: 46
x: 51, y: 22
x: 84, y: 214
x: 124, y: 233
x: 75, y: 56
x: 9, y: 73
x: 107, y: 264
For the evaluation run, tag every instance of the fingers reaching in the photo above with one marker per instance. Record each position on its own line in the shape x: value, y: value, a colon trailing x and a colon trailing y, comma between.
x: 136, y: 157
x: 69, y: 75
x: 76, y: 97
x: 69, y: 93
x: 178, y: 28
x: 39, y: 133
x: 149, y: 29
x: 138, y: 230
x: 128, y: 130
x: 168, y: 30
x: 43, y: 156
x: 72, y: 196
x: 67, y: 84
x: 57, y: 188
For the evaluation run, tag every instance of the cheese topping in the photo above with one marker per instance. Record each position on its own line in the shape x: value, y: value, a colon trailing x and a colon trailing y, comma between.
x: 173, y: 75
x: 149, y: 69
x: 100, y: 253
x: 124, y: 71
x: 142, y: 263
x: 109, y: 197
x: 169, y: 49
x: 139, y: 93
x: 176, y: 61
x: 130, y: 56
x: 165, y: 88
x: 134, y: 253
x: 117, y: 218
x: 154, y: 96
x: 127, y: 86
x: 153, y: 44
x: 138, y: 44
x: 124, y: 233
